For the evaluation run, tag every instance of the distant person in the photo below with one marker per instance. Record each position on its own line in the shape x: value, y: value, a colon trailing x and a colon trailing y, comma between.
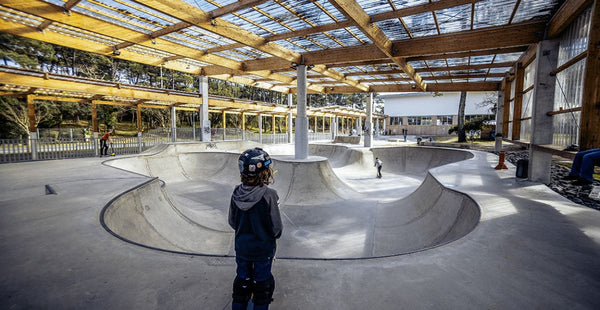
x: 404, y: 133
x: 254, y: 215
x: 583, y: 167
x: 104, y: 141
x: 379, y: 165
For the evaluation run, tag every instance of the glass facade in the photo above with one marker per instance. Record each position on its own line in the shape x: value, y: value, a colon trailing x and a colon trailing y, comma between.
x: 569, y: 82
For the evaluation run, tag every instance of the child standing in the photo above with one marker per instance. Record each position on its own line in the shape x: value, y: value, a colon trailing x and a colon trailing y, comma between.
x: 379, y: 165
x: 254, y: 215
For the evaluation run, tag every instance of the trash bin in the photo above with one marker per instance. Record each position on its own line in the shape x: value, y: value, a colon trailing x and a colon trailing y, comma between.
x: 522, y: 168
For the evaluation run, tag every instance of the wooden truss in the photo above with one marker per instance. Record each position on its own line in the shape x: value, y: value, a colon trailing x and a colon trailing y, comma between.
x: 44, y: 86
x: 354, y: 50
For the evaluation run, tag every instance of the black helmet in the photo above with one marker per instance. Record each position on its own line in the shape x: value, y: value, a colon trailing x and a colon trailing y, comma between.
x: 252, y: 161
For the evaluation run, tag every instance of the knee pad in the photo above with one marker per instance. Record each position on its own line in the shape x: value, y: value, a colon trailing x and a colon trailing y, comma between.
x: 263, y: 291
x: 242, y: 290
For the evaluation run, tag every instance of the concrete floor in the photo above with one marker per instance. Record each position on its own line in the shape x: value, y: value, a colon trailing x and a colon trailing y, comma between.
x: 531, y: 249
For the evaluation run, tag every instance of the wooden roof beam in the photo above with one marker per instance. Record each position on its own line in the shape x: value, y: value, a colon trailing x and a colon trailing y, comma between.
x: 417, y: 9
x: 363, y: 21
x: 439, y: 87
x: 504, y: 50
x: 67, y: 7
x: 193, y: 15
x: 515, y: 35
x: 55, y: 13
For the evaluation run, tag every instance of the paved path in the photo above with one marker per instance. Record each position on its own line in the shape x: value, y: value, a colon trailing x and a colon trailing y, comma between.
x: 532, y: 249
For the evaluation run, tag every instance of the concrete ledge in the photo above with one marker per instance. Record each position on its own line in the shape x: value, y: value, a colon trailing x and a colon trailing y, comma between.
x: 347, y: 139
x: 444, y: 144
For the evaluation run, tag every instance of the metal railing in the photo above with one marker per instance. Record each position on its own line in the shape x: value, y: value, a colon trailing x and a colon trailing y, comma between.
x: 71, y: 146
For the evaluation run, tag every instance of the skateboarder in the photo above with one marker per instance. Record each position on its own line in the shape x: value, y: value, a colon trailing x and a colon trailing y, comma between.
x: 104, y: 143
x: 378, y: 164
x: 254, y: 215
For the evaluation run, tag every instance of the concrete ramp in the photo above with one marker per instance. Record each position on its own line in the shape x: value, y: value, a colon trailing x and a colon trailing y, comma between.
x: 147, y: 217
x: 324, y: 216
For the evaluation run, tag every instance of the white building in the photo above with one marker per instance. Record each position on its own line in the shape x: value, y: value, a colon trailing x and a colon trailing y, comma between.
x: 426, y: 114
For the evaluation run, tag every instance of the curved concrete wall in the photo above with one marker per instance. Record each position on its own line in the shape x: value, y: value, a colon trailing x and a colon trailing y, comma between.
x: 323, y: 217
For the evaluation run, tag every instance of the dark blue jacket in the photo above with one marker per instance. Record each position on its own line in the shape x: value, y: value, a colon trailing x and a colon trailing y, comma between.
x: 254, y: 215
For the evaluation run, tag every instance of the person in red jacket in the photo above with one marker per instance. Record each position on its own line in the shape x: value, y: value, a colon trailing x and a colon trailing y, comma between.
x: 104, y: 141
x: 254, y: 215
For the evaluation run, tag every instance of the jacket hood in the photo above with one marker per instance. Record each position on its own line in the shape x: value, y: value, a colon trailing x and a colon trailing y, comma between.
x: 245, y: 197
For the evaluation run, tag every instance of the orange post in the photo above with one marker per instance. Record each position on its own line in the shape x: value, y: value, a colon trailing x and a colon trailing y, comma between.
x: 501, y: 164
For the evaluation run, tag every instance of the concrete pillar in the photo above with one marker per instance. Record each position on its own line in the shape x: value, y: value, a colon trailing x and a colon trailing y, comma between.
x: 243, y: 125
x: 95, y: 128
x: 385, y: 120
x: 193, y: 126
x: 369, y: 121
x: 260, y: 127
x: 301, y: 145
x: 542, y: 103
x: 359, y: 126
x: 173, y: 124
x: 224, y: 125
x: 273, y: 127
x: 33, y: 142
x: 204, y: 119
x: 139, y: 139
x: 499, y: 118
x: 289, y: 120
x: 376, y: 127
x: 33, y: 135
x: 332, y: 126
x: 323, y: 124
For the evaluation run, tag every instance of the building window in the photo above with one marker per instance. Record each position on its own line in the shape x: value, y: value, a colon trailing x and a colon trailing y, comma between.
x: 414, y: 120
x: 444, y: 120
x: 396, y: 121
x: 426, y: 120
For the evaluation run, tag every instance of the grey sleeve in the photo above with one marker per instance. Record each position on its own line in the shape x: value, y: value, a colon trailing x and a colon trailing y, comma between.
x: 273, y: 200
x: 231, y: 215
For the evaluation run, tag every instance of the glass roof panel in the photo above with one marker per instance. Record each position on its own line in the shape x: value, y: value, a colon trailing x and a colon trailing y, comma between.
x: 478, y: 71
x: 418, y: 64
x: 291, y: 46
x: 499, y: 70
x: 312, y: 44
x: 437, y: 63
x: 393, y: 29
x: 359, y: 34
x: 454, y: 19
x: 111, y: 17
x: 530, y: 9
x: 421, y: 25
x: 510, y: 57
x: 485, y: 59
x: 462, y: 61
x: 381, y: 6
x: 492, y: 12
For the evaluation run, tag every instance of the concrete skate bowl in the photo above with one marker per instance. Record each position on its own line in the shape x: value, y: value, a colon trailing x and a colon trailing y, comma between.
x: 324, y: 218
